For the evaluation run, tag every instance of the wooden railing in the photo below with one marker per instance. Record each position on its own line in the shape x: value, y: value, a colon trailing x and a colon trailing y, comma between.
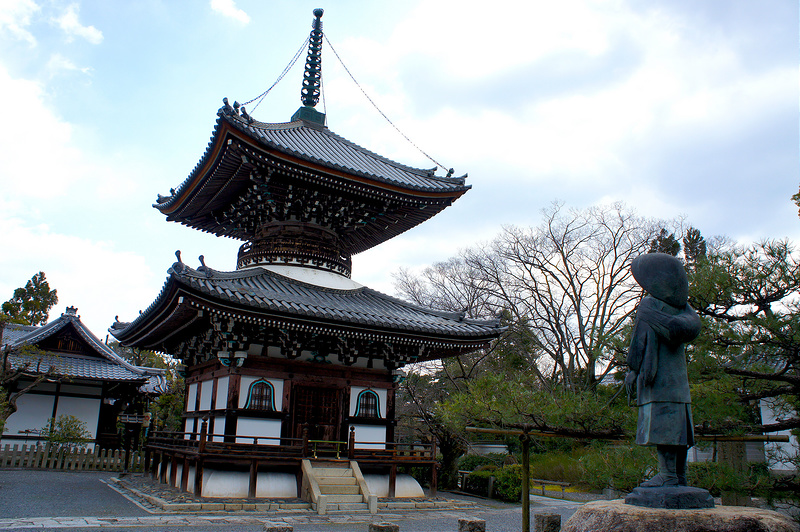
x: 50, y: 456
x: 266, y: 447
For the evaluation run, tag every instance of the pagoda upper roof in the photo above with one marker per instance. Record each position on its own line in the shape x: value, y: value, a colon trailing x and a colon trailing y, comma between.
x: 258, y: 293
x: 322, y: 161
x: 94, y: 361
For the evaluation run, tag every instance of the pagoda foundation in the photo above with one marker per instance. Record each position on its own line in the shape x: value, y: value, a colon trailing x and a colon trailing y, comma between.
x: 616, y: 516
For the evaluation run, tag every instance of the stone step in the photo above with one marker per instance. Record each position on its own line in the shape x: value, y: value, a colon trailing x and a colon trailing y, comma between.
x: 333, y: 472
x: 344, y: 507
x: 343, y: 481
x: 338, y: 499
x: 335, y: 489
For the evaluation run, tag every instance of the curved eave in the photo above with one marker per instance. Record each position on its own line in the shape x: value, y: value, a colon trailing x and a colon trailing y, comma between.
x: 184, y: 299
x: 234, y: 127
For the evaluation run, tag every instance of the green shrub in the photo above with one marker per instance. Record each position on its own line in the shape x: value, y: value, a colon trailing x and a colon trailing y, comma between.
x: 508, y: 483
x: 478, y: 481
x: 717, y: 477
x: 470, y: 462
x: 67, y: 430
x: 561, y: 467
x: 620, y: 467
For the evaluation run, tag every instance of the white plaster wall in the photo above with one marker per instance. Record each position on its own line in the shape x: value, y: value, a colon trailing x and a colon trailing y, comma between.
x: 244, y: 389
x: 382, y: 395
x: 218, y: 483
x: 205, y: 394
x: 188, y: 425
x: 404, y: 486
x: 219, y: 429
x: 33, y: 413
x: 376, y: 436
x: 191, y: 397
x: 85, y: 409
x: 263, y: 428
x: 221, y: 401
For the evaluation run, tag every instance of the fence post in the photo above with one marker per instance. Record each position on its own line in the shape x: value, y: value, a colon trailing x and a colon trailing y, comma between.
x: 526, y: 488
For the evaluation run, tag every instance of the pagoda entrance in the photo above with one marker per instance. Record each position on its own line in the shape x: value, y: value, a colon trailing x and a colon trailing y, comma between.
x: 317, y: 409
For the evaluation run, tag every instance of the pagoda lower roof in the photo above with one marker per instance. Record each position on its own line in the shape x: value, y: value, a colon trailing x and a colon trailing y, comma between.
x: 367, y: 193
x: 260, y: 294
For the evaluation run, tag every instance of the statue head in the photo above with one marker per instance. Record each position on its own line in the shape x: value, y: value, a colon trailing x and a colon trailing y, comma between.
x: 663, y: 277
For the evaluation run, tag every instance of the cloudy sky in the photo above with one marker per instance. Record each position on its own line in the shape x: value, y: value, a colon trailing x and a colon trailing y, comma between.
x: 676, y: 107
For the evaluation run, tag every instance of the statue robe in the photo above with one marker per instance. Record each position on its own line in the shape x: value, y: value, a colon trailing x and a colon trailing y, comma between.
x: 657, y: 356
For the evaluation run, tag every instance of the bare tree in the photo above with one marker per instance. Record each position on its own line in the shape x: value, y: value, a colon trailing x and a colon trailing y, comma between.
x: 569, y: 280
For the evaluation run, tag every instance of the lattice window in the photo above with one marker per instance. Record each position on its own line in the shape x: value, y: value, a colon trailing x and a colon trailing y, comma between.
x: 261, y: 396
x: 368, y: 404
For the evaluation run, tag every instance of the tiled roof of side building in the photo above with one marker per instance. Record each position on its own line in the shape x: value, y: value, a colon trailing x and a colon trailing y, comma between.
x: 261, y: 289
x: 76, y: 367
x: 319, y: 145
x: 107, y: 363
x: 14, y: 331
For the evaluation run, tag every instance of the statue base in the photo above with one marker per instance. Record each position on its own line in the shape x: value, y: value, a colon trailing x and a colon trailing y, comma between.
x: 671, y: 497
x: 616, y: 516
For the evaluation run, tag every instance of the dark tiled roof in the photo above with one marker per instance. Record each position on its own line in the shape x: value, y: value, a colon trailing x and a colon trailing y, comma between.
x: 322, y: 146
x: 106, y: 365
x: 14, y: 331
x: 262, y: 290
x: 317, y: 144
x: 75, y: 366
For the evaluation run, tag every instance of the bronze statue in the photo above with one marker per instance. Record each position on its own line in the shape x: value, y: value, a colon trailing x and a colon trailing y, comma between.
x: 664, y: 323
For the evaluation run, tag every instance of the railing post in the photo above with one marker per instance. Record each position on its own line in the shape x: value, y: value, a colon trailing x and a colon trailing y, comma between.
x: 203, y: 435
x: 351, y: 444
x: 305, y: 442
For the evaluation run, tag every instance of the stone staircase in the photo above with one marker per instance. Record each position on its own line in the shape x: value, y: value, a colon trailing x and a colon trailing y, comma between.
x: 336, y: 487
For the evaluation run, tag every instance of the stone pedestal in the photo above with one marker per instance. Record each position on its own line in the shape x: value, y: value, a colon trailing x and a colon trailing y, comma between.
x: 616, y: 516
x: 673, y: 498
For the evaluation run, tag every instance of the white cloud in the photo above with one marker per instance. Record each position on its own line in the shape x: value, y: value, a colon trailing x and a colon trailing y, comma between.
x: 58, y: 63
x: 70, y: 24
x: 228, y: 8
x: 82, y: 270
x: 15, y: 17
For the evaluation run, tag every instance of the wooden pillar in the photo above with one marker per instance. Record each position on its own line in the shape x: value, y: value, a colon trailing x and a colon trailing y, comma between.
x: 198, y: 476
x: 185, y: 475
x: 251, y: 489
x: 434, y: 472
x: 393, y: 480
x: 198, y: 470
x: 162, y: 475
x: 526, y: 476
x: 390, y: 414
x: 173, y: 473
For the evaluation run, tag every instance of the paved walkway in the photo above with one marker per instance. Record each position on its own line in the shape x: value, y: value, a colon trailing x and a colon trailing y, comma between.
x: 86, y: 501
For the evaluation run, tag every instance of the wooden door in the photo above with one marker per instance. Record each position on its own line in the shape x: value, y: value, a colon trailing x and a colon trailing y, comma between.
x: 318, y: 409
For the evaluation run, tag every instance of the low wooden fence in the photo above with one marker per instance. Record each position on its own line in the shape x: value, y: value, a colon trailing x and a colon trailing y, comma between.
x: 51, y: 456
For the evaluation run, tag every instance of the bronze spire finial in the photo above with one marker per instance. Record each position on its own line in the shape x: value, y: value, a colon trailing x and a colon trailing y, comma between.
x: 312, y: 77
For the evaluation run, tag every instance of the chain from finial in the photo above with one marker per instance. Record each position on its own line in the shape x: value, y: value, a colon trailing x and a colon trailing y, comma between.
x: 312, y: 78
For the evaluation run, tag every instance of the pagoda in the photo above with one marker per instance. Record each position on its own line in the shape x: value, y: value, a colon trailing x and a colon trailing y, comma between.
x: 288, y: 360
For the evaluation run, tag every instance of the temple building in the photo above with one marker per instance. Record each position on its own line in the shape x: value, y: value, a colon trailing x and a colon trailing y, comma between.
x: 79, y: 376
x: 288, y: 360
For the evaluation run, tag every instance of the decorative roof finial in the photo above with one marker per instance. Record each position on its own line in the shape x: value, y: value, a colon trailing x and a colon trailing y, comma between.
x: 312, y: 77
